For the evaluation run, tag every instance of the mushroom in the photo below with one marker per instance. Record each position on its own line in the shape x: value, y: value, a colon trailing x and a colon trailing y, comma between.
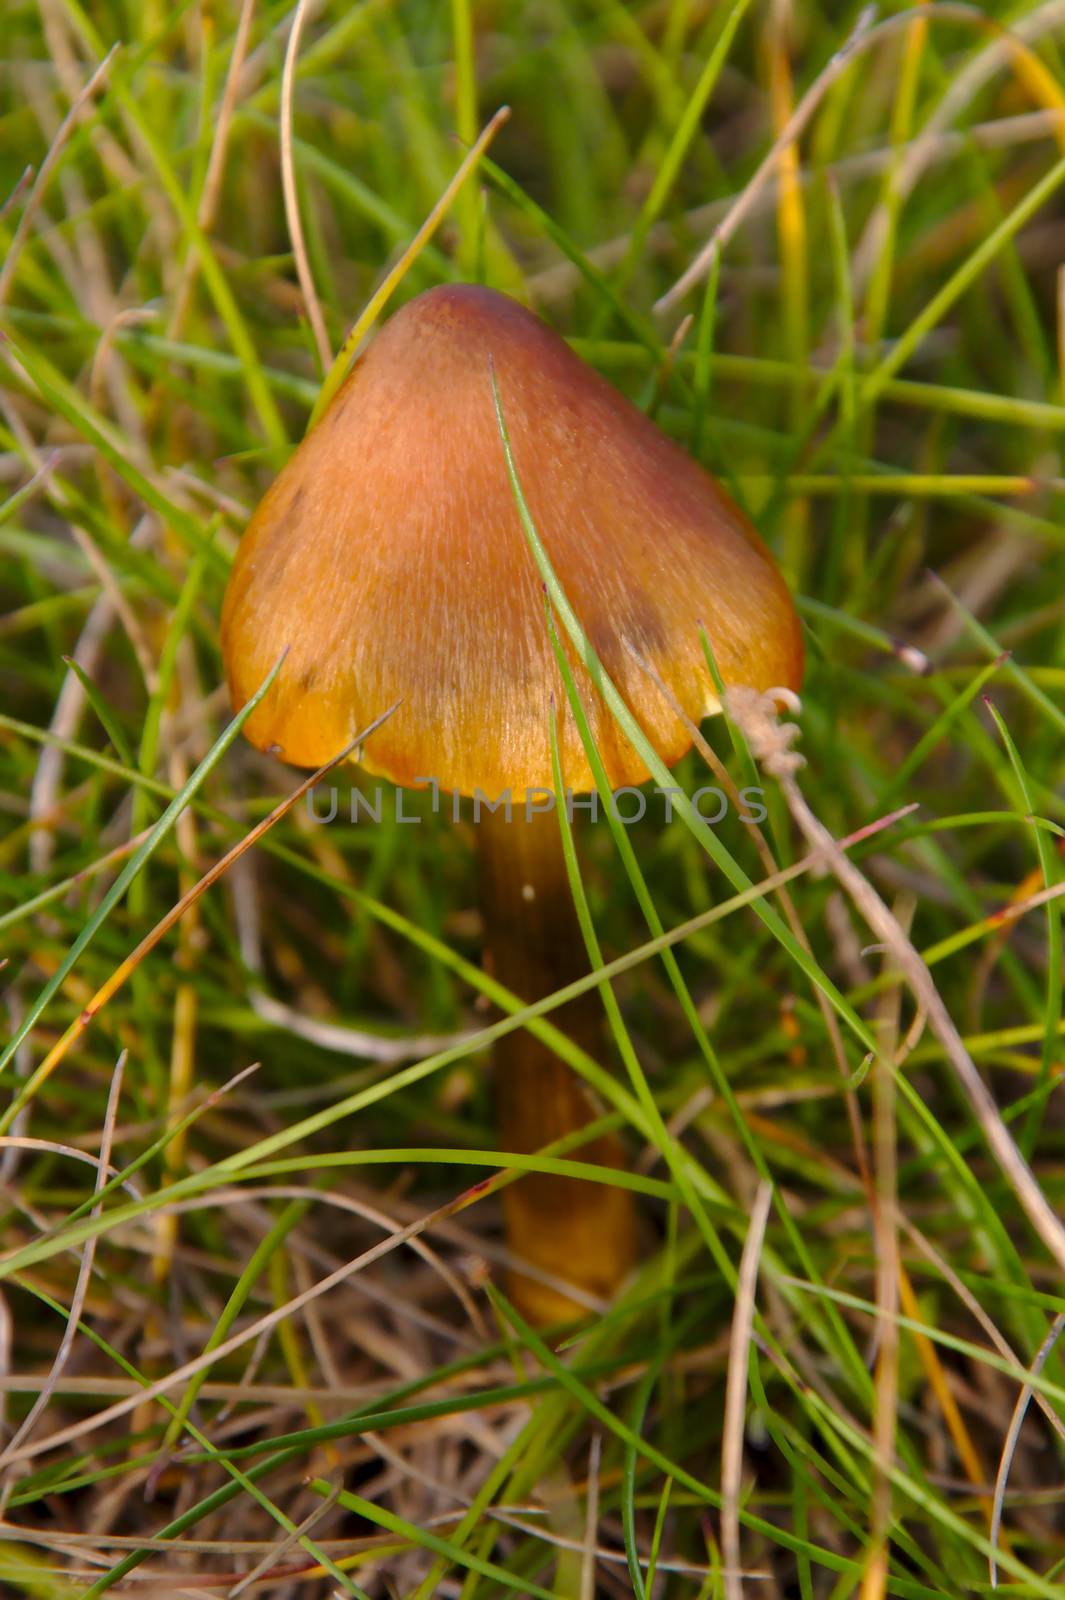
x: 389, y: 559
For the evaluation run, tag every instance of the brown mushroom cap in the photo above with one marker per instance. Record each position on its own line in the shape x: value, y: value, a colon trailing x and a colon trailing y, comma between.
x: 389, y: 558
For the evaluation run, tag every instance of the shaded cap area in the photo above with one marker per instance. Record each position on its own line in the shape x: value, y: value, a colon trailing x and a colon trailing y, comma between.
x: 390, y: 561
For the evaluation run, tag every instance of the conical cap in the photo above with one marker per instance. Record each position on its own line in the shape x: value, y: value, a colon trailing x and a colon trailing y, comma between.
x: 389, y: 559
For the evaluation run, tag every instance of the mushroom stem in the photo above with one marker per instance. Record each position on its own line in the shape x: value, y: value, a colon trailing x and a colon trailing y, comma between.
x: 578, y: 1232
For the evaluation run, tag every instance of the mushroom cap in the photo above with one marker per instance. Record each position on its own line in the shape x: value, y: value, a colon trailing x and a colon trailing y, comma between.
x: 389, y: 559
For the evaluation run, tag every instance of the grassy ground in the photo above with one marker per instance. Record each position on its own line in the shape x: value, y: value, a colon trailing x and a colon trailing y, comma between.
x: 874, y: 364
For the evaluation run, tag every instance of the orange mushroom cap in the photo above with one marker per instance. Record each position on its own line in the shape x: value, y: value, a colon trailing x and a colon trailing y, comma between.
x: 389, y: 559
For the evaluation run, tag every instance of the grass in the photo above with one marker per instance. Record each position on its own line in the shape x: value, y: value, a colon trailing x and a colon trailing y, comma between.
x: 258, y: 1308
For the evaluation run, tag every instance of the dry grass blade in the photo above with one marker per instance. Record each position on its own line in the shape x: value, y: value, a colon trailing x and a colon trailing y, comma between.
x: 15, y: 1141
x: 174, y: 915
x: 6, y: 1324
x: 964, y: 89
x: 770, y: 742
x: 558, y: 280
x: 863, y: 34
x: 291, y: 192
x: 1013, y: 1433
x: 940, y: 1386
x: 347, y: 1041
x: 828, y: 1015
x: 81, y: 1287
x: 67, y: 713
x: 591, y: 1521
x: 885, y: 1420
x: 736, y: 1393
x: 273, y: 1558
x: 262, y: 1325
x: 36, y: 194
x: 359, y: 1208
x: 72, y: 699
x: 212, y: 182
x: 978, y: 1314
x: 112, y: 592
x: 381, y: 296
